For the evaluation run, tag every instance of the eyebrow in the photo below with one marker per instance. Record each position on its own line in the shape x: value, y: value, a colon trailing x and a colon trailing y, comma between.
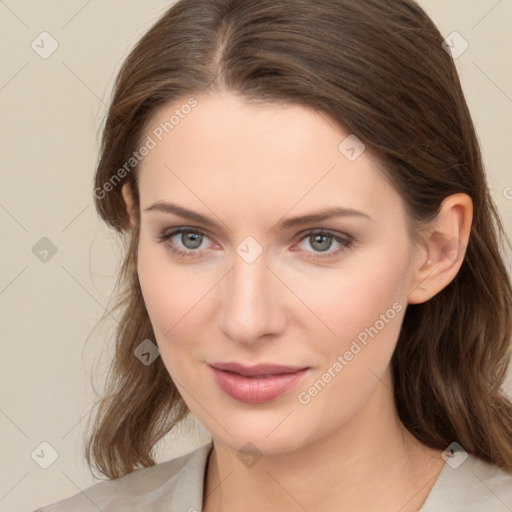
x: 324, y: 214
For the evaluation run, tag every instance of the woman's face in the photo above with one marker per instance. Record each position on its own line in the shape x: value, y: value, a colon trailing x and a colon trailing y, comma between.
x: 295, y: 252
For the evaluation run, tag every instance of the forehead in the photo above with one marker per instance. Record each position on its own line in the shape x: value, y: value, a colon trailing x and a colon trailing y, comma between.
x: 254, y: 159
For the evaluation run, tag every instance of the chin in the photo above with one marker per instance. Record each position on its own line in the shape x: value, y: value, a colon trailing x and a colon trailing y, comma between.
x: 259, y: 444
x: 261, y: 434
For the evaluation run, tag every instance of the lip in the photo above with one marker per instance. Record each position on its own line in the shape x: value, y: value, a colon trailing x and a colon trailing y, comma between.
x: 256, y: 384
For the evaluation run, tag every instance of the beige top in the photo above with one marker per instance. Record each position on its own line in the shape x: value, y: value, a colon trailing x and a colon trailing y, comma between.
x: 177, y: 486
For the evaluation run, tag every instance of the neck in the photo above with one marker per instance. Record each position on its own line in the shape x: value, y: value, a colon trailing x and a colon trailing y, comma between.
x: 371, y: 463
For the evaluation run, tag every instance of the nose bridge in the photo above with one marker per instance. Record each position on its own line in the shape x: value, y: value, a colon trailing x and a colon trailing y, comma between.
x: 250, y: 302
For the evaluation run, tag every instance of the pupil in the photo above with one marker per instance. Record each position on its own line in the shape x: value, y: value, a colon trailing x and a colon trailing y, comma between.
x: 320, y: 242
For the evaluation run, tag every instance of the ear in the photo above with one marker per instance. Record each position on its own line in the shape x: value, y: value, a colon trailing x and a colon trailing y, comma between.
x: 131, y: 207
x: 442, y: 250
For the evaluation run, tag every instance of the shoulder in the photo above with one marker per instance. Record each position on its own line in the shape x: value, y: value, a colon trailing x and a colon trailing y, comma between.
x: 176, y: 484
x: 472, y: 486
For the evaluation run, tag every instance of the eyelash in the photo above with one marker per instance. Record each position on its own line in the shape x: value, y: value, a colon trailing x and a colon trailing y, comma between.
x: 344, y: 241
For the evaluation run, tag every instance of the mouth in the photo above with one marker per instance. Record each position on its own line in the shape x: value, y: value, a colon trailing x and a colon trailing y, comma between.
x: 256, y: 384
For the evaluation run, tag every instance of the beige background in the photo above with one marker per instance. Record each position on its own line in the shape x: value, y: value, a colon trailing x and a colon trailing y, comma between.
x: 52, y: 110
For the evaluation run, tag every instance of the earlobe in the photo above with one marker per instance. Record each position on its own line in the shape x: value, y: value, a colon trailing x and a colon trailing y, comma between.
x: 131, y: 208
x: 443, y: 248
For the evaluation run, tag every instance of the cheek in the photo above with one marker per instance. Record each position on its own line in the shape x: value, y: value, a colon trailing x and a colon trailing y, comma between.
x: 175, y: 296
x: 369, y: 291
x: 365, y: 308
x: 169, y: 290
x: 155, y: 277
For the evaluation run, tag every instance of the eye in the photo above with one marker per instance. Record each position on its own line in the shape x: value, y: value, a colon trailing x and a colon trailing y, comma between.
x: 189, y: 243
x: 184, y: 241
x: 322, y: 242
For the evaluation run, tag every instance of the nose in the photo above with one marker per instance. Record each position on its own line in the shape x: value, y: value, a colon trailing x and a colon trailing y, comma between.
x: 251, y: 302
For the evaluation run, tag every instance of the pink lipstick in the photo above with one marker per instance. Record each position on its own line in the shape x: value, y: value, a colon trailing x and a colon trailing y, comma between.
x: 256, y: 384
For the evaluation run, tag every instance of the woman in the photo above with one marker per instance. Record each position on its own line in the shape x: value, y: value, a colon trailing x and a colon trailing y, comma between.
x: 313, y: 268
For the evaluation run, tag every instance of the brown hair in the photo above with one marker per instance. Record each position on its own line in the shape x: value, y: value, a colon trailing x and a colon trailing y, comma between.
x: 379, y: 70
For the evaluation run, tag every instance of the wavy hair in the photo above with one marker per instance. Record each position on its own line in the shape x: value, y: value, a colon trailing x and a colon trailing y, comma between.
x: 379, y: 70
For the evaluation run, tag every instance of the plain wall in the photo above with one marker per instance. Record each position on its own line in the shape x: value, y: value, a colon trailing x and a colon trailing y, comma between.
x: 52, y: 110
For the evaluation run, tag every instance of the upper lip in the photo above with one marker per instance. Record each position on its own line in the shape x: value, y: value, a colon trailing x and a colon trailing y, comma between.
x: 257, y: 370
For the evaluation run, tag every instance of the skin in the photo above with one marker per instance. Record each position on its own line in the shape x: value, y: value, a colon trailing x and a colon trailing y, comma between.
x: 247, y: 167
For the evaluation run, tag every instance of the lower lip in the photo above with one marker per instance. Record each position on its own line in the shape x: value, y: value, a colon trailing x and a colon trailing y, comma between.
x: 255, y: 390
